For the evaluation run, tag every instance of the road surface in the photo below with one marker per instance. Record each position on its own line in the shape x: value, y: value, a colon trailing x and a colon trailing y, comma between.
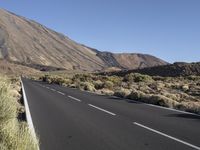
x: 70, y: 119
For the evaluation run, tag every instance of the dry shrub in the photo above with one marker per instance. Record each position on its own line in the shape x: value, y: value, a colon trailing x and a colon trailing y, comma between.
x: 56, y: 80
x: 173, y: 96
x: 106, y: 92
x: 66, y: 82
x: 158, y: 78
x: 108, y: 85
x: 98, y: 84
x: 73, y: 86
x: 157, y: 86
x: 87, y: 86
x: 146, y: 89
x: 186, y: 97
x: 137, y: 95
x: 185, y: 87
x: 193, y: 107
x: 156, y: 99
x: 82, y: 77
x: 193, y: 78
x: 162, y: 101
x: 117, y: 81
x: 122, y: 92
x: 136, y: 77
x: 194, y: 90
x: 176, y: 86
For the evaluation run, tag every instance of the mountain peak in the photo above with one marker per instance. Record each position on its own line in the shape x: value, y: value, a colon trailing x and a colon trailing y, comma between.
x: 4, y: 11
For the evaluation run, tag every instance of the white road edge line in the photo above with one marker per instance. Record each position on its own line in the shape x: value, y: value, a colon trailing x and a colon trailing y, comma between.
x: 28, y: 114
x: 53, y: 90
x: 172, y: 109
x: 168, y: 136
x: 102, y: 109
x: 162, y: 107
x: 157, y: 106
x: 61, y: 93
x: 76, y: 99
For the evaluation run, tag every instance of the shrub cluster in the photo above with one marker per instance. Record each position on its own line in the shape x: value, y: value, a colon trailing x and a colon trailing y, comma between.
x: 174, y: 92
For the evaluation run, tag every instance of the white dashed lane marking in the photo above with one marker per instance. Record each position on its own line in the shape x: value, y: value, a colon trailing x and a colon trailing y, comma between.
x: 102, y: 109
x: 76, y: 99
x: 61, y: 93
x: 168, y: 136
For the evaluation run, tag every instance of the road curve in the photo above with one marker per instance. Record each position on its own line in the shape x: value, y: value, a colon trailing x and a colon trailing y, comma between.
x: 69, y: 119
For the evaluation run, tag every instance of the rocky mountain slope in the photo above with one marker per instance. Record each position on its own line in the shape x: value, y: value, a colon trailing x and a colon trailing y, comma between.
x: 25, y: 42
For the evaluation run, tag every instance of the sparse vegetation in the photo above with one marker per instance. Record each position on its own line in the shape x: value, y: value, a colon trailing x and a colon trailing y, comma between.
x: 136, y: 77
x: 175, y: 92
x: 14, y: 134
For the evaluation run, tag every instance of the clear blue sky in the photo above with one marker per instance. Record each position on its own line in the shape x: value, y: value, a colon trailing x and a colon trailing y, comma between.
x: 169, y: 29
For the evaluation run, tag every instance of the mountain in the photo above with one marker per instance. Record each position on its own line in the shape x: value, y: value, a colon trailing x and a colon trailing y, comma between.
x: 171, y: 70
x: 28, y: 43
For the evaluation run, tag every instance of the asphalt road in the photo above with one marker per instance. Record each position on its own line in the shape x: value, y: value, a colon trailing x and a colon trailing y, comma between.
x: 69, y: 119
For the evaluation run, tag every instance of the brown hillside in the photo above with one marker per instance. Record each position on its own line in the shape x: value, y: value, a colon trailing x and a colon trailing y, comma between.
x: 26, y: 42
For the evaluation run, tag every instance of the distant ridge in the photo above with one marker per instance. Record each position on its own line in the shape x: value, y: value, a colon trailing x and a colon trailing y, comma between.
x: 172, y: 70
